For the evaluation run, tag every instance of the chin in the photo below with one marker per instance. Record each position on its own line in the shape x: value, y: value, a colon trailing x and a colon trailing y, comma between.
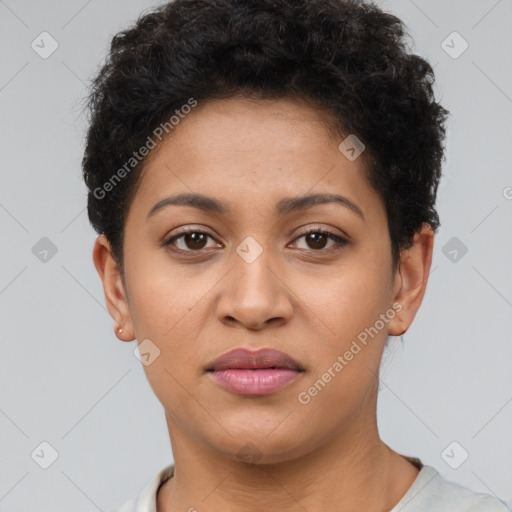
x: 260, y: 445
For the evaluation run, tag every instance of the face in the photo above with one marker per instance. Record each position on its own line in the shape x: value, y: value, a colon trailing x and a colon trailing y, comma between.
x: 262, y: 267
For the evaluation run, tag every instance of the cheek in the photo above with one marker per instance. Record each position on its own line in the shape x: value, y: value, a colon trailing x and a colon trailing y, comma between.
x: 347, y: 299
x: 165, y: 299
x: 169, y: 306
x: 347, y: 354
x: 350, y: 305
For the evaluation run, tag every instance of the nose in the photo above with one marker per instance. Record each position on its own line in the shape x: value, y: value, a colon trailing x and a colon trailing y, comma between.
x: 255, y: 295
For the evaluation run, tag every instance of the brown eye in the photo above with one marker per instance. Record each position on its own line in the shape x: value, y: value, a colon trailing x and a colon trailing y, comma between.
x: 317, y: 240
x: 190, y: 241
x: 195, y: 240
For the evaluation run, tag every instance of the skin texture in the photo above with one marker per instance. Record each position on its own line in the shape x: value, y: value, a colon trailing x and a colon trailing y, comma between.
x: 300, y: 298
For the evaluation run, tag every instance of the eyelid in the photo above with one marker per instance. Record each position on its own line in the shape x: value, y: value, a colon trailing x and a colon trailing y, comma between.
x: 323, y: 229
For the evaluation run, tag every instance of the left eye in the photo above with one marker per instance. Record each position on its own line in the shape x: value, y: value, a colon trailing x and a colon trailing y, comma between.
x: 318, y: 239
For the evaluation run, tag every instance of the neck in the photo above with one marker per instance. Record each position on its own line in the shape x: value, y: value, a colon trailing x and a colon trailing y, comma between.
x: 354, y: 471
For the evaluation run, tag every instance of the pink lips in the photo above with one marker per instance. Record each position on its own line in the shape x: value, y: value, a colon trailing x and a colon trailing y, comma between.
x: 258, y: 372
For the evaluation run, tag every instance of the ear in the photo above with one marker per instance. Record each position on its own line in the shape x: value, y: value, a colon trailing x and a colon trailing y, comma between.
x: 411, y: 279
x: 113, y: 288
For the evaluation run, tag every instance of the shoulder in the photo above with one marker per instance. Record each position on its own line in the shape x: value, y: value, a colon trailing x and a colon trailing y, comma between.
x: 430, y: 491
x: 145, y: 500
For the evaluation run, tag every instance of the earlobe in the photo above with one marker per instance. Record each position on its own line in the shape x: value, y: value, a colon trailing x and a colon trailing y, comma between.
x: 113, y: 288
x: 413, y: 275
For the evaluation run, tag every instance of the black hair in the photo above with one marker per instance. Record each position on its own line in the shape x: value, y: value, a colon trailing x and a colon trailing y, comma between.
x: 349, y: 58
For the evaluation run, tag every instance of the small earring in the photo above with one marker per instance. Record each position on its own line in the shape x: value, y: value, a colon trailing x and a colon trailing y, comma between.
x: 119, y: 330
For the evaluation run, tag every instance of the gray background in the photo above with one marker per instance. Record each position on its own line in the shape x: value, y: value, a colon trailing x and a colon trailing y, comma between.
x: 67, y: 380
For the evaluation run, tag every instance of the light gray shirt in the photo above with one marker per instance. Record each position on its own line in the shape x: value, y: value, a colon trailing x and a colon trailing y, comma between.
x: 429, y: 492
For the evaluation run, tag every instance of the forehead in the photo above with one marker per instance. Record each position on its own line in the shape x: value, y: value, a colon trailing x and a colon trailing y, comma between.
x: 246, y: 126
x: 248, y: 152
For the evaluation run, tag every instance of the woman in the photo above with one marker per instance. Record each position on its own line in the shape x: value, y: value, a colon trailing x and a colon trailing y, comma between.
x: 262, y: 176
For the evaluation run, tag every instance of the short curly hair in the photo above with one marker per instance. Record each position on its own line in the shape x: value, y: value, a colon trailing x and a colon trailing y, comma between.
x: 349, y: 58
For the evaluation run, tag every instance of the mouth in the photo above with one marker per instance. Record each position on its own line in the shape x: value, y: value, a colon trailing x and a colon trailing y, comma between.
x: 243, y: 359
x: 254, y: 373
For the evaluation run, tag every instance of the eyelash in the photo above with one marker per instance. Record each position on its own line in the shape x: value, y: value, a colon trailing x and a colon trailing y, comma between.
x: 340, y: 242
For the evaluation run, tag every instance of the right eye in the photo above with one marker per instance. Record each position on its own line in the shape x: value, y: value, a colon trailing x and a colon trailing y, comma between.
x: 192, y: 240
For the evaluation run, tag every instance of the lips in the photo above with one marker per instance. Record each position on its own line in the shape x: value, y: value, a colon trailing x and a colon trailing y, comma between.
x: 243, y: 359
x: 254, y: 373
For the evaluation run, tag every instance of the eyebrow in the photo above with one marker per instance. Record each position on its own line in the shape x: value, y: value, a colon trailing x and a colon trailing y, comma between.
x: 284, y: 206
